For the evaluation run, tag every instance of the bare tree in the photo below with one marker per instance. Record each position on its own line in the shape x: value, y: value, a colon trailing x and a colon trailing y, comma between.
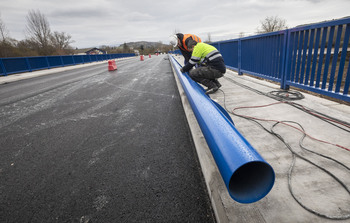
x: 6, y: 43
x: 39, y: 40
x: 126, y: 48
x: 142, y: 48
x: 60, y: 41
x: 209, y: 38
x: 271, y: 24
x: 38, y: 28
x: 3, y: 31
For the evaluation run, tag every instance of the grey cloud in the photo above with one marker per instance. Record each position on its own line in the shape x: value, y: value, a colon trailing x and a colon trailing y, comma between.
x: 92, y: 22
x: 75, y: 13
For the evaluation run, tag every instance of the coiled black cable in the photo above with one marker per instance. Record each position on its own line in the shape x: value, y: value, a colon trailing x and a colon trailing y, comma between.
x: 295, y: 155
x: 289, y: 96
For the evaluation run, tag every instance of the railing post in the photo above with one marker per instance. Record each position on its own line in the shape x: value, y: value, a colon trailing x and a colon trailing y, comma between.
x: 47, y: 61
x: 286, y: 60
x: 28, y: 65
x: 239, y: 56
x: 3, y: 67
x: 62, y: 61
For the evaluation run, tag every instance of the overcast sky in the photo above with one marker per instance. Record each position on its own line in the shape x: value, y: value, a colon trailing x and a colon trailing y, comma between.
x: 93, y: 23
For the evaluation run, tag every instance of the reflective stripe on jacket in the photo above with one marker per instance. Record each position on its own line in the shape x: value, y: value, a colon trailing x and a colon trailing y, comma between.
x: 205, y: 53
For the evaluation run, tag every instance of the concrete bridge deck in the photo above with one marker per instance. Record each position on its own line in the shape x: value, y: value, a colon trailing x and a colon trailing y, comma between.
x: 311, y: 186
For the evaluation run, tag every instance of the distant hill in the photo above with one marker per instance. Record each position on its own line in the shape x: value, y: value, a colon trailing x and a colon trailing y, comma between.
x: 148, y: 47
x: 134, y: 45
x: 145, y: 44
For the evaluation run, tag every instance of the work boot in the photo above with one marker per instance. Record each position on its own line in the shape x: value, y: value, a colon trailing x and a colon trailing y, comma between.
x: 217, y: 83
x: 212, y: 89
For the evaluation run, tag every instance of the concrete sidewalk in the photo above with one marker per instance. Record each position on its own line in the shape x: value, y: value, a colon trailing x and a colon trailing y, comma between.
x: 311, y: 186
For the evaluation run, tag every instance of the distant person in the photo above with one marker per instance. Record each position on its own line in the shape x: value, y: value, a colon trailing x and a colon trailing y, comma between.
x: 211, y: 67
x: 181, y: 40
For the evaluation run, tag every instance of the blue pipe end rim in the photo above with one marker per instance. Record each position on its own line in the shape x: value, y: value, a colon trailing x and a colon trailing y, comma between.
x: 251, y: 182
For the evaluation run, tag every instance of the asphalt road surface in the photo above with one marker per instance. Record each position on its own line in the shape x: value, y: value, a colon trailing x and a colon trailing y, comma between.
x: 92, y: 145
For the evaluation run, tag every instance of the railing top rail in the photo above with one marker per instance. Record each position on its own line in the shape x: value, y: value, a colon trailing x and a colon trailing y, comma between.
x: 281, y: 32
x: 321, y: 25
x: 6, y: 58
x: 226, y: 41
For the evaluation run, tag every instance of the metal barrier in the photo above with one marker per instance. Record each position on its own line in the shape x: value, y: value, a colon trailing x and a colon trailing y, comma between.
x: 313, y: 57
x: 248, y: 177
x: 25, y: 64
x: 318, y: 59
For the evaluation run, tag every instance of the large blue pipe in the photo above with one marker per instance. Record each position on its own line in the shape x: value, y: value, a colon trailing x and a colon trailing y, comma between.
x: 248, y: 177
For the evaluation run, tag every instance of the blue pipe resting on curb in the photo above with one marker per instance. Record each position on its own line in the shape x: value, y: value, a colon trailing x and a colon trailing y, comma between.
x: 248, y: 177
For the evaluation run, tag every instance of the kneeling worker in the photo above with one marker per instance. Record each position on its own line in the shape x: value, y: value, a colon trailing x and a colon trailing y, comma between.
x: 211, y: 68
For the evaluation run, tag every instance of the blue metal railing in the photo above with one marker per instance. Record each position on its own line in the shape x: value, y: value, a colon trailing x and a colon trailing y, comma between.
x: 25, y: 64
x: 318, y: 58
x: 313, y: 57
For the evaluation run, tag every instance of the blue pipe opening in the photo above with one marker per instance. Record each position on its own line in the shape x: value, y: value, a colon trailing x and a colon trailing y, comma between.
x: 251, y: 182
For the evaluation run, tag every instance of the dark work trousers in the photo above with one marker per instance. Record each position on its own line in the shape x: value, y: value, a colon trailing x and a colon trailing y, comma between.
x: 205, y: 75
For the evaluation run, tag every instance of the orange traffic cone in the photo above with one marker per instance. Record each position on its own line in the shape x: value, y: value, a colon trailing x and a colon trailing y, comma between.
x: 149, y: 55
x: 141, y: 57
x: 112, y: 65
